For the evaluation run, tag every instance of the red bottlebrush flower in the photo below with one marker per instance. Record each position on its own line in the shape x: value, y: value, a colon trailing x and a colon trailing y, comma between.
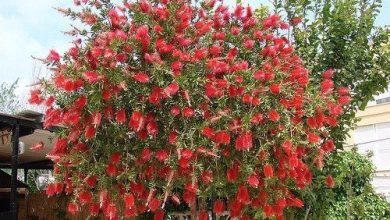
x: 111, y: 170
x: 136, y: 121
x: 186, y: 153
x: 212, y: 91
x: 53, y: 56
x: 154, y: 204
x: 343, y: 91
x: 287, y: 146
x: 235, y: 208
x: 328, y: 74
x: 146, y: 154
x: 218, y: 207
x: 268, y: 211
x: 37, y: 147
x: 344, y: 100
x: 81, y: 147
x: 247, y: 99
x: 177, y: 66
x: 108, y: 112
x: 175, y: 111
x: 152, y: 128
x: 222, y: 137
x: 259, y: 75
x: 203, y: 215
x: 200, y: 54
x: 312, y: 122
x: 71, y: 117
x: 257, y: 118
x: 103, y: 198
x: 142, y: 32
x: 191, y: 186
x: 171, y: 89
x: 327, y: 86
x: 208, y: 132
x: 80, y: 102
x: 253, y: 181
x: 207, y: 177
x: 129, y: 200
x: 96, y: 118
x: 248, y: 44
x: 122, y: 57
x: 115, y: 158
x: 188, y: 112
x: 295, y: 202
x: 275, y: 88
x: 111, y: 211
x: 162, y: 155
x: 58, y: 187
x: 284, y: 26
x: 244, y: 141
x: 94, y: 209
x: 85, y: 197
x: 156, y: 95
x: 328, y: 146
x: 73, y: 208
x: 268, y: 170
x: 184, y: 163
x: 296, y: 20
x: 243, y: 195
x: 172, y: 137
x: 159, y: 215
x: 59, y: 147
x: 273, y: 116
x: 330, y: 181
x: 106, y: 95
x: 91, y: 181
x: 232, y: 173
x: 141, y: 77
x: 158, y: 29
x: 189, y: 197
x: 69, y: 86
x: 35, y: 97
x: 92, y: 77
x: 145, y: 6
x: 313, y: 138
x: 90, y: 132
x: 49, y: 101
x: 121, y: 116
x: 50, y: 190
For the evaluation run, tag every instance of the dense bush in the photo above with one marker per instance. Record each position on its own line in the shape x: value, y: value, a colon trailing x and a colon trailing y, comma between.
x: 176, y: 101
x: 352, y: 197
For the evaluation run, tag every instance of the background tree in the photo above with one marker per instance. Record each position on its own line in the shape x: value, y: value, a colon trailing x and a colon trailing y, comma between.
x: 9, y: 101
x: 352, y: 197
x: 340, y: 34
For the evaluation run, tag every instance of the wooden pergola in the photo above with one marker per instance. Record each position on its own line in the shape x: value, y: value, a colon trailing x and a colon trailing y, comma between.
x: 27, y: 128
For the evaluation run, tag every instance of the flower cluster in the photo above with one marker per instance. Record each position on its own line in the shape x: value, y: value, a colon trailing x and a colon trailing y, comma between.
x: 168, y: 101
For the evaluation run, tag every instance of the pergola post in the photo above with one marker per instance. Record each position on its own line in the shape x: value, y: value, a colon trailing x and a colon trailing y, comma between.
x: 14, y: 167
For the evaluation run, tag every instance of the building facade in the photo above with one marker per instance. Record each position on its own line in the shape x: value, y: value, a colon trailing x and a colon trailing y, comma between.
x: 372, y: 134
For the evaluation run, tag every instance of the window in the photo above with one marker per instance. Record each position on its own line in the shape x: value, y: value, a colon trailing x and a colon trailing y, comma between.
x: 375, y: 138
x: 381, y: 98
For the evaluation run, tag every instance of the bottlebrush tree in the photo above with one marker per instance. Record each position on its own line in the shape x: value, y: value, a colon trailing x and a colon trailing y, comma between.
x: 173, y: 101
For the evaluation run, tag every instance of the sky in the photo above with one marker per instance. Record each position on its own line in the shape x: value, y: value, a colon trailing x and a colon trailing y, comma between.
x: 32, y: 27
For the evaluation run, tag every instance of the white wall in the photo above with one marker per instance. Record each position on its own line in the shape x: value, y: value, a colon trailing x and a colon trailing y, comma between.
x: 376, y: 139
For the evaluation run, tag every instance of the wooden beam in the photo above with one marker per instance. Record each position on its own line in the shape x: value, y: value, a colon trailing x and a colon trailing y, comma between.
x: 14, y: 180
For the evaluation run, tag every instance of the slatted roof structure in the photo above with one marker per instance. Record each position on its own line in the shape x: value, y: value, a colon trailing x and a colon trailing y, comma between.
x: 30, y: 133
x: 24, y: 128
